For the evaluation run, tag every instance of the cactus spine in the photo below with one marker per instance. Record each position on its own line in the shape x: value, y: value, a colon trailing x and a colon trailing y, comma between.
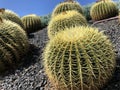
x: 31, y: 22
x: 79, y: 58
x: 13, y: 44
x: 66, y: 6
x: 10, y: 15
x: 103, y: 9
x: 65, y: 19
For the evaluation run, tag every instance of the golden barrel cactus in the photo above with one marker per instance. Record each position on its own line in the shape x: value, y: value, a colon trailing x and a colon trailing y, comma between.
x: 65, y: 19
x: 13, y: 44
x: 103, y: 9
x: 79, y: 58
x: 66, y: 6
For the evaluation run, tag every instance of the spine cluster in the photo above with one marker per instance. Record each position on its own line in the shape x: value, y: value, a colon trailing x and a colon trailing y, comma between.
x: 32, y: 23
x: 65, y: 20
x: 79, y: 57
x: 103, y: 9
x: 13, y: 44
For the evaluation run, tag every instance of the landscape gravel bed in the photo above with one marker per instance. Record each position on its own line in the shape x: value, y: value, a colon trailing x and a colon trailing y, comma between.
x: 111, y: 28
x: 30, y: 75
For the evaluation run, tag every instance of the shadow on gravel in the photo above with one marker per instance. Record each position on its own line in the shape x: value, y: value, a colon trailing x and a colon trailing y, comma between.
x: 30, y: 58
x: 31, y: 36
x: 114, y: 82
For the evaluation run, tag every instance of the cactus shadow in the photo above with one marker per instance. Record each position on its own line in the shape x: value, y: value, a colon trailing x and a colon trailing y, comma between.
x: 28, y: 59
x: 114, y: 82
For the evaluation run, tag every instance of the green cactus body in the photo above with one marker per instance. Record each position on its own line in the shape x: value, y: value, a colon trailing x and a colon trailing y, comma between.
x: 5, y: 59
x: 31, y: 22
x: 66, y: 19
x: 13, y: 43
x: 79, y: 58
x: 10, y: 15
x: 103, y: 10
x: 66, y: 6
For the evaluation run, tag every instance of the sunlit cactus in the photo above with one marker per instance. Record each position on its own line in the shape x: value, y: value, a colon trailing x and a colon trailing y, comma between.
x: 69, y: 0
x: 103, y: 9
x: 66, y: 6
x: 79, y: 58
x: 65, y: 19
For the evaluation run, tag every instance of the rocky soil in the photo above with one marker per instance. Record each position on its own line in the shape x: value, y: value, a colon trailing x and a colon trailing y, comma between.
x: 30, y: 74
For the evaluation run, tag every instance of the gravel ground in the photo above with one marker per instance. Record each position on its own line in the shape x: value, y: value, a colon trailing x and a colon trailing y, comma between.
x: 112, y: 30
x: 30, y: 75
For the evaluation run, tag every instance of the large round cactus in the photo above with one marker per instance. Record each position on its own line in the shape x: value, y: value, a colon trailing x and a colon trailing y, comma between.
x: 65, y: 19
x: 103, y: 9
x: 10, y: 15
x: 13, y: 44
x: 79, y: 58
x: 32, y: 23
x: 66, y: 6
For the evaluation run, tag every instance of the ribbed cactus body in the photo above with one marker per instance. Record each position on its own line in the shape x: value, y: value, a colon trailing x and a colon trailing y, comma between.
x: 66, y: 19
x: 31, y: 22
x: 13, y: 43
x: 79, y: 58
x: 103, y: 10
x: 12, y: 16
x: 66, y: 6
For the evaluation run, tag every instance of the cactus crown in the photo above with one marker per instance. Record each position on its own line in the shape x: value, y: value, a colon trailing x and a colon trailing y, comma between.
x: 10, y: 15
x: 2, y: 10
x: 102, y: 0
x: 34, y: 15
x: 66, y: 6
x: 63, y: 20
x: 66, y: 15
x: 69, y: 0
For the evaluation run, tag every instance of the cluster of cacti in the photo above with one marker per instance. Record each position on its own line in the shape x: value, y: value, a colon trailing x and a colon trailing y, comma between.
x: 79, y: 58
x: 10, y: 15
x: 32, y: 23
x: 13, y: 44
x: 66, y: 6
x: 103, y: 9
x: 65, y: 20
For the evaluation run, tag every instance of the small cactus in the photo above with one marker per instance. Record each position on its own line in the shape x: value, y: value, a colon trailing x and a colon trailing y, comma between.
x: 13, y: 44
x: 10, y: 15
x: 79, y: 58
x: 103, y: 9
x: 32, y: 23
x: 65, y: 19
x: 66, y: 6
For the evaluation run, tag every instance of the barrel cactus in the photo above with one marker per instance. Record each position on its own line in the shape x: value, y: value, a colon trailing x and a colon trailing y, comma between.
x: 79, y: 58
x: 65, y: 19
x: 32, y: 23
x: 10, y: 15
x: 66, y: 6
x: 13, y: 44
x: 103, y: 9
